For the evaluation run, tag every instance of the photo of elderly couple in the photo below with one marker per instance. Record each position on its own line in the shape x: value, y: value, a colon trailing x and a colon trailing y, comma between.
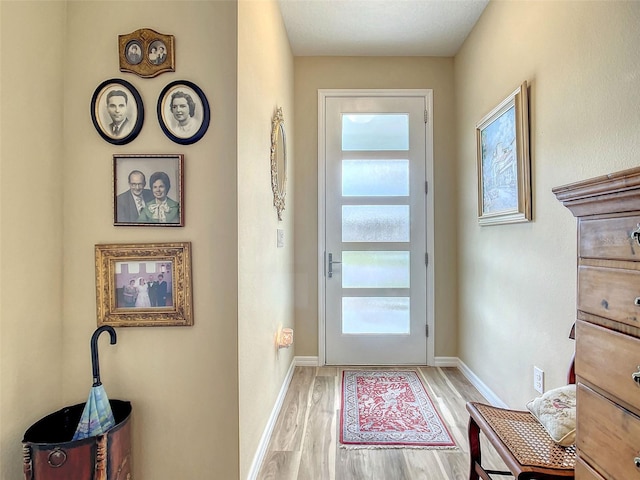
x: 148, y: 190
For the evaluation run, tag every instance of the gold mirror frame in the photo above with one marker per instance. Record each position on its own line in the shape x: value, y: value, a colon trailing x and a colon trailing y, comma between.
x: 278, y: 161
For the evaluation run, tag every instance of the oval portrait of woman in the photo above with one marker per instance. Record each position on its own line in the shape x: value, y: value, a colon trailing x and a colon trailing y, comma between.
x: 183, y: 112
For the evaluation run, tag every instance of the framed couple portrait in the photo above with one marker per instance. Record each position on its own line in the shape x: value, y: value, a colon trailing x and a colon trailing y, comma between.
x: 183, y: 112
x: 148, y: 190
x: 144, y: 285
x: 117, y: 111
x: 146, y: 53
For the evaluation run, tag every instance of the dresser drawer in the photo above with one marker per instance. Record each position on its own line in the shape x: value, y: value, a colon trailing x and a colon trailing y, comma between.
x: 610, y: 293
x: 585, y: 472
x: 607, y: 435
x: 607, y: 359
x: 609, y: 238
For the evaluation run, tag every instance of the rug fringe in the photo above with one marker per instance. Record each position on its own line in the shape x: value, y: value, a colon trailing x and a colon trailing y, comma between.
x: 408, y: 447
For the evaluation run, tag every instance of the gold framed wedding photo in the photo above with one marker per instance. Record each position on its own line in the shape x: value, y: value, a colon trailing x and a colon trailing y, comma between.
x: 144, y: 285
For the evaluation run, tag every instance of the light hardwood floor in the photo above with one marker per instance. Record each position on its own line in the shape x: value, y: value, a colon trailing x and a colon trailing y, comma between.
x: 304, y: 444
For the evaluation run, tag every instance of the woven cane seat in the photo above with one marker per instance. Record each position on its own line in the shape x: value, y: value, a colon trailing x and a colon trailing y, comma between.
x: 527, y: 440
x: 521, y: 441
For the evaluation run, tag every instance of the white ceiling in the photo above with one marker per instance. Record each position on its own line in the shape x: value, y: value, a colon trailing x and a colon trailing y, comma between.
x: 379, y: 27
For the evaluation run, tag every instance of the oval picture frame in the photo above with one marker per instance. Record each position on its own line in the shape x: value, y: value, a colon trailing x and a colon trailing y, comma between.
x: 183, y: 112
x: 107, y: 104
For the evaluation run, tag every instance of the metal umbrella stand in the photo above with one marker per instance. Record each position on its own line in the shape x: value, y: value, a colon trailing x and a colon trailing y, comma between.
x: 87, y: 441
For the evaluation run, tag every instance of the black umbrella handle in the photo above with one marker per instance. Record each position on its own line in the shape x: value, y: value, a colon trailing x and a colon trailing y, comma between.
x: 94, y: 351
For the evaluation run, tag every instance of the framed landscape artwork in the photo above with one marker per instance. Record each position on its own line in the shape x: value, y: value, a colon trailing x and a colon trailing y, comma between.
x: 504, y: 167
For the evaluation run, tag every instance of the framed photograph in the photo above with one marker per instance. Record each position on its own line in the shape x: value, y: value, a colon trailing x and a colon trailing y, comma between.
x: 144, y: 285
x: 117, y: 111
x: 504, y: 167
x: 183, y: 112
x: 148, y: 190
x: 146, y: 53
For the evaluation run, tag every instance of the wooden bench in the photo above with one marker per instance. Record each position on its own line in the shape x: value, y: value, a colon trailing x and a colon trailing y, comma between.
x: 524, y: 445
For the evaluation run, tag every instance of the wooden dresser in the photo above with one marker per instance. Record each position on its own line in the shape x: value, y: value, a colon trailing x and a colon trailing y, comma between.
x: 608, y: 324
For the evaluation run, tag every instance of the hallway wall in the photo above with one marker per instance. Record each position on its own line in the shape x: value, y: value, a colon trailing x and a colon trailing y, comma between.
x: 517, y: 282
x: 182, y: 381
x: 265, y: 272
x: 31, y: 230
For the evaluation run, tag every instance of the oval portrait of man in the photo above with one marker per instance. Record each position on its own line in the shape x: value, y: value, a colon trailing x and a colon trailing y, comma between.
x: 117, y: 111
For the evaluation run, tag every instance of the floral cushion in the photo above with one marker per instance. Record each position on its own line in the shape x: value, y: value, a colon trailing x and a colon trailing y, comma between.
x: 556, y: 411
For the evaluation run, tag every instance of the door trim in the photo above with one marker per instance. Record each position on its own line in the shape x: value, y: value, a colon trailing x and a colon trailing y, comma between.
x: 427, y: 94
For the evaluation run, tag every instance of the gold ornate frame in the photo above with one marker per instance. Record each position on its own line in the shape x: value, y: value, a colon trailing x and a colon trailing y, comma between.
x: 172, y: 260
x: 504, y: 166
x: 146, y: 65
x: 278, y: 161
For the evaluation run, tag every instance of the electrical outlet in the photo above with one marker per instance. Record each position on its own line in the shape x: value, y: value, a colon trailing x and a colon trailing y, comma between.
x: 538, y: 379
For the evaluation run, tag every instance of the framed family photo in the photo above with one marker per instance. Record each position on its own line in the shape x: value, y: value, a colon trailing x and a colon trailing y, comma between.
x: 504, y: 166
x: 148, y: 190
x: 144, y: 285
x: 146, y: 53
x: 117, y: 111
x: 183, y: 112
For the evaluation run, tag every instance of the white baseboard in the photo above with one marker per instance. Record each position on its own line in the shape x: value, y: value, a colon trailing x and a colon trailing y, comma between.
x: 271, y: 422
x: 306, y: 361
x: 446, y: 361
x: 481, y: 386
x: 261, y: 451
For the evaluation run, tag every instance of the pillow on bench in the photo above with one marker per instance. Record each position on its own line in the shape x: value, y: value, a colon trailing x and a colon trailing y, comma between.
x: 556, y: 411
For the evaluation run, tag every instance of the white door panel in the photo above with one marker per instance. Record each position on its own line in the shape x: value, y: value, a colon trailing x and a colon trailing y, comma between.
x: 375, y: 217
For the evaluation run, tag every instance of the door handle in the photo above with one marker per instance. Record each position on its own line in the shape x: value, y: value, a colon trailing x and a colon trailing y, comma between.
x: 331, y: 262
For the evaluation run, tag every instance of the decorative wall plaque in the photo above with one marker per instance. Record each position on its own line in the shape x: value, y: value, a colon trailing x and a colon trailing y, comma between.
x: 146, y: 53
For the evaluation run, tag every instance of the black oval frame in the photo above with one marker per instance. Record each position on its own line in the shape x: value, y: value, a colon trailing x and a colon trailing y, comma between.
x: 206, y: 114
x: 139, y: 106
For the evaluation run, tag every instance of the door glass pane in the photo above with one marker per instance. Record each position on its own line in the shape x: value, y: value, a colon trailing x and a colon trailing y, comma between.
x: 375, y: 178
x: 386, y: 315
x: 375, y: 132
x: 375, y: 270
x: 375, y: 223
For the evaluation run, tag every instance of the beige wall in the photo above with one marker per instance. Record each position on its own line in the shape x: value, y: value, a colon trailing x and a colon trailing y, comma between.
x: 517, y: 282
x: 183, y: 382
x: 313, y: 73
x: 265, y: 272
x: 31, y: 229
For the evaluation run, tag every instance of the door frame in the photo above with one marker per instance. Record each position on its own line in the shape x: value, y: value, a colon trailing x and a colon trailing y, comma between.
x: 427, y: 94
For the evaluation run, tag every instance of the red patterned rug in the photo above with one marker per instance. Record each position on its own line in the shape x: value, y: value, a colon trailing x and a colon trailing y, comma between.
x: 389, y: 409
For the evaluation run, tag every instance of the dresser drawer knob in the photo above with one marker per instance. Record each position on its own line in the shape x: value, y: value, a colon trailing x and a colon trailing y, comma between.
x: 637, y: 462
x: 636, y: 302
x: 636, y: 376
x: 636, y: 234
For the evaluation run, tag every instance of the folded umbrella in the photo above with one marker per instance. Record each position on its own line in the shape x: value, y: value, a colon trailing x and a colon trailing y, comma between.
x: 97, y: 416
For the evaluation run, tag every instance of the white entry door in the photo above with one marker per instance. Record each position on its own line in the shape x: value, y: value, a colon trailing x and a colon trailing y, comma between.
x: 375, y: 228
